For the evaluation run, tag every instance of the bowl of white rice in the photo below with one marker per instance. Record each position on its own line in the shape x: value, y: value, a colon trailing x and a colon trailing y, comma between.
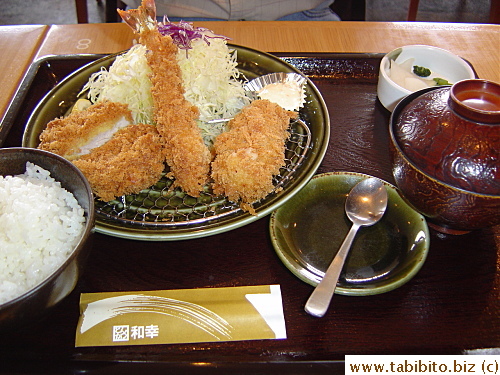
x: 46, y: 225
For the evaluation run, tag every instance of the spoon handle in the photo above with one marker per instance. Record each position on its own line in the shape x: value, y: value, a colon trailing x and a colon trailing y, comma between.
x: 320, y: 298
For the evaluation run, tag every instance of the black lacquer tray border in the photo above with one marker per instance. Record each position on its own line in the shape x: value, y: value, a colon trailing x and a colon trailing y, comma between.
x: 282, y: 361
x: 20, y: 97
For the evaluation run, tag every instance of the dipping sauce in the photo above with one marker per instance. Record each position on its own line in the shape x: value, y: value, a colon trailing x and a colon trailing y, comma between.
x: 289, y: 95
x: 308, y: 230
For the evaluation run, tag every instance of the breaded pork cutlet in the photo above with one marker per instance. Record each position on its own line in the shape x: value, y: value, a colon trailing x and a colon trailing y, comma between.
x: 185, y: 152
x: 81, y: 131
x: 131, y: 161
x: 251, y: 152
x: 116, y: 157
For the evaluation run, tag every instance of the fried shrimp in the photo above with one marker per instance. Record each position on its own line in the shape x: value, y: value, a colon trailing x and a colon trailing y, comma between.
x: 77, y: 134
x: 251, y: 152
x: 185, y: 152
x: 131, y: 161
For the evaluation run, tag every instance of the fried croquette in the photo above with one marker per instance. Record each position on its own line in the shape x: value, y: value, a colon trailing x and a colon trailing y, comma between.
x: 251, y: 152
x: 185, y: 152
x: 77, y: 134
x: 131, y: 161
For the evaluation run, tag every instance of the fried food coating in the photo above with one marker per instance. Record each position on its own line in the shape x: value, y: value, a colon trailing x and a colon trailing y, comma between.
x: 251, y: 152
x: 116, y: 157
x: 74, y: 135
x: 131, y: 161
x: 185, y: 152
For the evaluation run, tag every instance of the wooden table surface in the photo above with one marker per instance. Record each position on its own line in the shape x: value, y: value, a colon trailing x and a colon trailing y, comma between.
x: 19, y: 45
x: 478, y: 43
x: 450, y: 306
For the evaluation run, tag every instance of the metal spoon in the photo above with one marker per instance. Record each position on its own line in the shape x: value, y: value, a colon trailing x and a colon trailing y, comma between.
x: 365, y: 205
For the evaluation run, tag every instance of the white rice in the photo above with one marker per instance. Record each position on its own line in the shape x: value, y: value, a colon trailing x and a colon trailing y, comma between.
x: 40, y: 224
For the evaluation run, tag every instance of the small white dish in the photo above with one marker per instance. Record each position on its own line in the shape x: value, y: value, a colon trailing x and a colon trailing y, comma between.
x: 441, y: 62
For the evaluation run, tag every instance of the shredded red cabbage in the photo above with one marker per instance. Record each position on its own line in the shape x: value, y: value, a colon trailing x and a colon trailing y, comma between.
x: 184, y: 32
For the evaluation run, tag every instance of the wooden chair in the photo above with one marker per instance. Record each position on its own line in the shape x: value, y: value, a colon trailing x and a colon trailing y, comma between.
x: 110, y: 8
x: 82, y: 14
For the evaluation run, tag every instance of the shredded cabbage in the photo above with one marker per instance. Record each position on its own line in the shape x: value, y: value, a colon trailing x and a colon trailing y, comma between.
x: 212, y: 84
x: 210, y: 79
x: 127, y: 81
